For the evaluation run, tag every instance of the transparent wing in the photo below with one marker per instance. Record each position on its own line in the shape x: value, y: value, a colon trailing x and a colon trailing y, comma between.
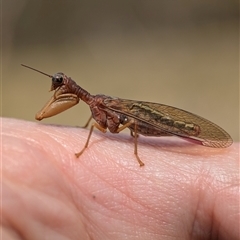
x: 173, y: 121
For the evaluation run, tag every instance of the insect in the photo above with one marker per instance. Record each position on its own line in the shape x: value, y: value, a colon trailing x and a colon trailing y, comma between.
x: 145, y: 118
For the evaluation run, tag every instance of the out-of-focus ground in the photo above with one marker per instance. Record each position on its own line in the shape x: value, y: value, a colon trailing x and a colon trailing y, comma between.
x: 180, y: 53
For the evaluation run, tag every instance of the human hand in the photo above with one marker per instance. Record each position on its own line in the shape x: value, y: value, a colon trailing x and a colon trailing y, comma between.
x: 184, y: 191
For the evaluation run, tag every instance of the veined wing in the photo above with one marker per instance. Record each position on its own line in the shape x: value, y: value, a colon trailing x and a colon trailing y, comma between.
x: 172, y: 120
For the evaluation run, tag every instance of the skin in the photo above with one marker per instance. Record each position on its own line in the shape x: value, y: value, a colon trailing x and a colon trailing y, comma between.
x: 184, y: 191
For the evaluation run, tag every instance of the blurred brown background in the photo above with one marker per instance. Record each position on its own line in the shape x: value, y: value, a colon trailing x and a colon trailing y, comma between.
x: 180, y: 53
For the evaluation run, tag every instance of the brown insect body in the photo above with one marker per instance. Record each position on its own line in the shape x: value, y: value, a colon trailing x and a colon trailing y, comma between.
x: 145, y: 118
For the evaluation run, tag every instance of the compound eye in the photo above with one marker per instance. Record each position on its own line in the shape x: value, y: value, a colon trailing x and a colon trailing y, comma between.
x: 57, y: 79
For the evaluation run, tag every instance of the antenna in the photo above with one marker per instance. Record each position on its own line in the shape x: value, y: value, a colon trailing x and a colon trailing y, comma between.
x: 37, y: 70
